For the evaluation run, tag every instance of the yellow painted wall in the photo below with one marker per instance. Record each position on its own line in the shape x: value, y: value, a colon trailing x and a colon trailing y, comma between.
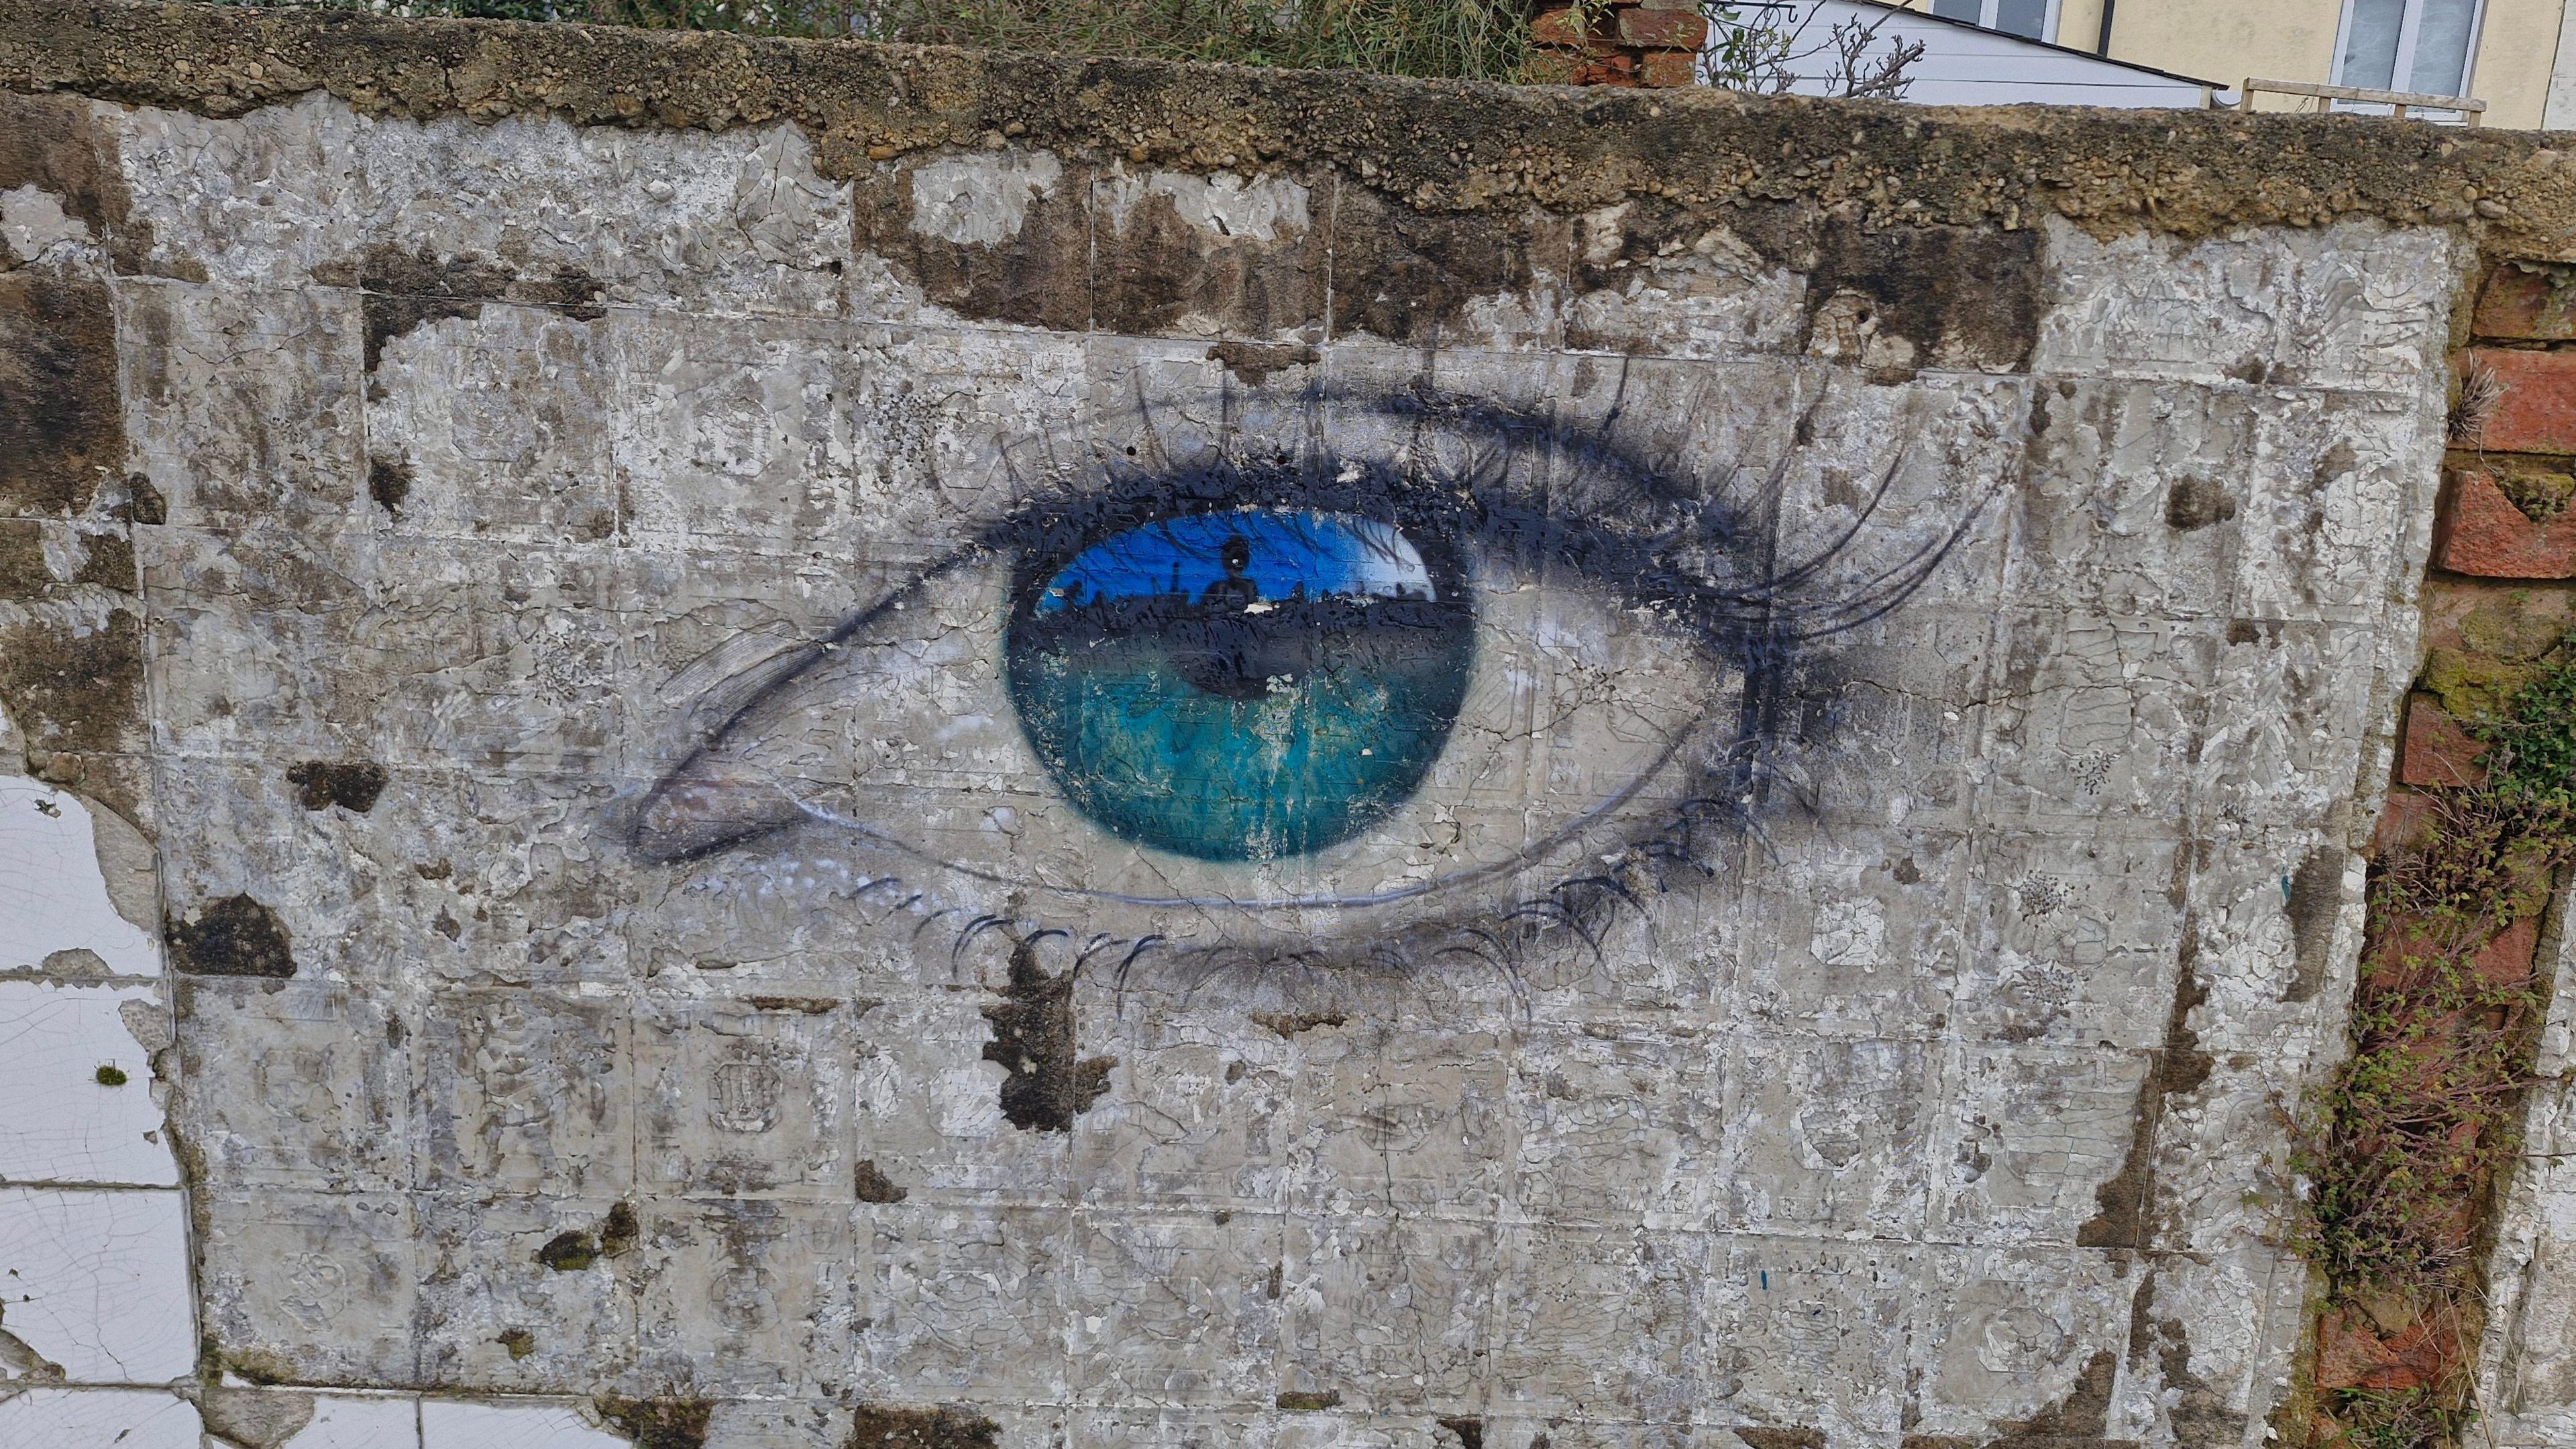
x: 2515, y: 50
x: 2228, y: 40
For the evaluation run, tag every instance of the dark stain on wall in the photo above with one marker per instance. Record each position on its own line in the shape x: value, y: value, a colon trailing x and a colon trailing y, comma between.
x: 2176, y: 1068
x: 235, y: 936
x: 61, y: 421
x: 1470, y: 1432
x: 107, y: 560
x: 569, y: 1252
x: 1033, y: 1039
x: 1156, y: 267
x: 1253, y: 362
x: 660, y: 1423
x: 23, y: 571
x: 1037, y: 276
x: 73, y: 692
x: 408, y: 289
x: 2197, y: 1409
x: 54, y: 144
x: 321, y: 784
x: 874, y: 1186
x: 1767, y: 1438
x: 2196, y: 503
x: 2316, y: 900
x: 389, y: 483
x: 1962, y: 295
x: 1408, y: 275
x: 883, y: 1426
x: 2077, y: 1421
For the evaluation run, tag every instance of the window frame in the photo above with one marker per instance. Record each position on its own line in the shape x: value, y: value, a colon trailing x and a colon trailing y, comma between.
x: 2048, y: 23
x: 2408, y: 28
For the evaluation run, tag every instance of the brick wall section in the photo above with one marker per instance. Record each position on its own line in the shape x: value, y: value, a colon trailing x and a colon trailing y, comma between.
x: 2497, y: 602
x: 1646, y: 43
x: 2507, y: 532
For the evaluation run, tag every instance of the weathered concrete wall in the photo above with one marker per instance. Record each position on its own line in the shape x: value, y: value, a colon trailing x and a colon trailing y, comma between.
x: 528, y: 526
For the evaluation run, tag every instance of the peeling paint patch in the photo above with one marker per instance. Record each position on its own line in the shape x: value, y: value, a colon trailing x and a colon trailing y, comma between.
x: 255, y: 1418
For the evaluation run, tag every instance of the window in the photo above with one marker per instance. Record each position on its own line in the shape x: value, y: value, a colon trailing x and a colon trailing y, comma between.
x: 2408, y: 45
x: 2027, y: 18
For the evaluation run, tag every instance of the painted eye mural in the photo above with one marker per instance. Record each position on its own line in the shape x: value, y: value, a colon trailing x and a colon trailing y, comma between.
x: 1339, y: 665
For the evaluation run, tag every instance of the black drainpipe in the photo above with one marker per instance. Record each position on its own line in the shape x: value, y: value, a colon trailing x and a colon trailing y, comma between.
x: 2102, y: 47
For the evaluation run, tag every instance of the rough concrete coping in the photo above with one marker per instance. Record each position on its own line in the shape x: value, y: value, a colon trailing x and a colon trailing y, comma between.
x: 1439, y: 146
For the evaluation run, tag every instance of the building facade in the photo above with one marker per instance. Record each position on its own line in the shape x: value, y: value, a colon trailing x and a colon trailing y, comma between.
x: 2515, y: 55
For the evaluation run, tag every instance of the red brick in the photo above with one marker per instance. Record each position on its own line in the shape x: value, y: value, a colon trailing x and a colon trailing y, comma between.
x: 2537, y: 306
x: 2437, y: 751
x: 2352, y: 1355
x: 2505, y: 960
x: 1557, y: 27
x: 1669, y: 29
x: 2403, y: 822
x: 2482, y: 533
x: 2537, y: 413
x: 1671, y: 68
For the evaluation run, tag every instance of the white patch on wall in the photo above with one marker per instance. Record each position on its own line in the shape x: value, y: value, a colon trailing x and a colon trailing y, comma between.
x: 98, y: 1419
x: 53, y: 892
x: 94, y: 1269
x: 1228, y: 205
x: 32, y: 220
x: 79, y: 1085
x: 456, y: 1424
x: 348, y: 1421
x: 980, y: 200
x: 96, y: 1282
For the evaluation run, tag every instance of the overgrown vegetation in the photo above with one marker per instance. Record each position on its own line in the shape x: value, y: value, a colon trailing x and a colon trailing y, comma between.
x: 2396, y: 1418
x: 2411, y: 1136
x: 1447, y: 39
x: 1456, y: 39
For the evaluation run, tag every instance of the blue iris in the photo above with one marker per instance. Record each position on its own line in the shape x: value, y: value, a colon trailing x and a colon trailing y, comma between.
x: 1253, y: 684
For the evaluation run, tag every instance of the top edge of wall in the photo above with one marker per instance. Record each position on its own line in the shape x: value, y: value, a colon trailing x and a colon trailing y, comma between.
x: 1437, y: 145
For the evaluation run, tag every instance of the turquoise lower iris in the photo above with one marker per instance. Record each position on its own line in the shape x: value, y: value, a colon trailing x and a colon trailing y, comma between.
x: 1256, y: 684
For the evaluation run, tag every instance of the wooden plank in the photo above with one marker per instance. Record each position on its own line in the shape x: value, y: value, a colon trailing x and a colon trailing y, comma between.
x: 2424, y: 99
